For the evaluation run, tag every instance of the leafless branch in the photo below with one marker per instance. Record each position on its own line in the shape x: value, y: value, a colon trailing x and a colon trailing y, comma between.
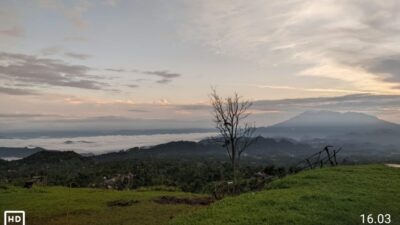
x: 229, y: 116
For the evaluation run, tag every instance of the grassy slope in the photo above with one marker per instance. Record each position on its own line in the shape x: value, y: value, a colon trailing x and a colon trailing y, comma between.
x: 327, y: 196
x: 88, y: 206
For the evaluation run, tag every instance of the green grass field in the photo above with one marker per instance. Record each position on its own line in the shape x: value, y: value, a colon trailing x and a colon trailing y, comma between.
x: 330, y: 196
x: 84, y: 206
x: 325, y: 196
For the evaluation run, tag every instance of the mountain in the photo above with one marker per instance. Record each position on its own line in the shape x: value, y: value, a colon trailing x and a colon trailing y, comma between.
x: 335, y: 125
x: 49, y: 160
x: 261, y: 149
x: 67, y: 167
x: 13, y: 153
x: 48, y: 156
x: 329, y: 119
x: 170, y: 150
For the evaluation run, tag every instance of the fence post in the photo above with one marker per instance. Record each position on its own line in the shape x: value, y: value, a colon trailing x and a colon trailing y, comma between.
x: 329, y: 154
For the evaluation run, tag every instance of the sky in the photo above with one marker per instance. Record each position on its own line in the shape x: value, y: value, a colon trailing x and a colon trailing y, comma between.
x: 120, y: 64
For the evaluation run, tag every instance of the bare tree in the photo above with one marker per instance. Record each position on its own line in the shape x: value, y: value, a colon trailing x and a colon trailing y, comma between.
x: 229, y: 116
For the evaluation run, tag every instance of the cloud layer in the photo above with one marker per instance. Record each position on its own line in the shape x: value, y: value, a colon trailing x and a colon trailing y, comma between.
x: 16, y: 91
x: 29, y: 69
x: 165, y: 75
x: 76, y: 55
x: 352, y: 41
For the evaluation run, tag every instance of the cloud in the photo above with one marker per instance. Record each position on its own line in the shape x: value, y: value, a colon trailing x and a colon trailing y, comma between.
x: 163, y: 102
x: 43, y: 71
x: 52, y: 50
x: 370, y: 103
x: 165, y: 75
x: 10, y: 23
x: 73, y: 13
x: 12, y: 32
x: 132, y: 85
x: 271, y: 111
x: 323, y: 39
x: 115, y: 70
x: 26, y: 115
x: 77, y: 55
x: 111, y: 3
x: 322, y: 90
x: 356, y: 102
x: 194, y: 107
x: 75, y: 39
x: 138, y: 110
x: 163, y: 81
x: 266, y: 112
x: 16, y: 91
x: 389, y: 66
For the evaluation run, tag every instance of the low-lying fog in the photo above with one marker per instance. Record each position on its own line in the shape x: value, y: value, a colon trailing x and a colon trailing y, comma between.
x: 102, y: 144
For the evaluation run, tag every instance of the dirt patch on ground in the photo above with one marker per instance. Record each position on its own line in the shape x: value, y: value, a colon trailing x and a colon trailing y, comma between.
x: 188, y: 201
x: 122, y: 203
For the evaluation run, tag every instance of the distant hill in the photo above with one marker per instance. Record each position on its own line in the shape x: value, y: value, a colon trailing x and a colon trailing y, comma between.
x: 335, y: 125
x: 52, y: 157
x: 67, y: 167
x: 60, y: 162
x: 170, y: 150
x: 6, y: 152
x: 261, y: 149
x: 362, y: 137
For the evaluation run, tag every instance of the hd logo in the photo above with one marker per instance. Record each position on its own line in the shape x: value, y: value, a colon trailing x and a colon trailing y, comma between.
x: 14, y: 217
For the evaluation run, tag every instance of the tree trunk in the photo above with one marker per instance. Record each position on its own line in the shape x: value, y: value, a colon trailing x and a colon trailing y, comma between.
x: 233, y: 150
x: 234, y: 174
x: 238, y: 177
